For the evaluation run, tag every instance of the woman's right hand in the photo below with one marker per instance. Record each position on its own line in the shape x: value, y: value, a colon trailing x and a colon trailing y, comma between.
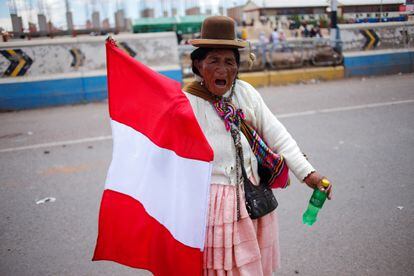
x: 314, y: 181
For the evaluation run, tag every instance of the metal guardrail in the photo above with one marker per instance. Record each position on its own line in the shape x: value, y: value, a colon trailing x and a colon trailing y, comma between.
x: 290, y: 54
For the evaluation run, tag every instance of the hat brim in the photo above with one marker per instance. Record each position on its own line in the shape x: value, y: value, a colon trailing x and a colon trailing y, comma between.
x: 218, y: 43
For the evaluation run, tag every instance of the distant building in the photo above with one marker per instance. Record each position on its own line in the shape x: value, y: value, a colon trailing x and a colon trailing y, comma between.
x: 17, y: 23
x: 88, y: 24
x: 96, y: 21
x: 120, y: 20
x: 32, y: 27
x: 41, y: 21
x: 254, y: 10
x: 221, y: 10
x: 369, y: 10
x: 193, y: 11
x: 236, y: 13
x: 105, y: 24
x: 174, y: 12
x: 409, y: 6
x: 315, y: 9
x: 128, y: 25
x: 147, y: 13
x: 50, y: 27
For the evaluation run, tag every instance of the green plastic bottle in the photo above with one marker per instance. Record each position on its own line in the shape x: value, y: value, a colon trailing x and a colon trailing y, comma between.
x: 315, y: 204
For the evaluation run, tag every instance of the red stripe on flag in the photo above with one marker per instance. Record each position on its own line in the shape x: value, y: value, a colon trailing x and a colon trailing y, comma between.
x: 153, y: 105
x: 130, y: 236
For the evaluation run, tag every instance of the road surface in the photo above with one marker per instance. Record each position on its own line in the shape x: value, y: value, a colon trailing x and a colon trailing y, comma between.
x: 358, y: 132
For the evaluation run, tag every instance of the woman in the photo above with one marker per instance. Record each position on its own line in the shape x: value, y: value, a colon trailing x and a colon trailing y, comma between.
x: 235, y: 243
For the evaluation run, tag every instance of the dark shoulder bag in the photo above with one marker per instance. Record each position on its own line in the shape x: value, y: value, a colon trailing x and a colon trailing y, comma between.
x: 259, y: 199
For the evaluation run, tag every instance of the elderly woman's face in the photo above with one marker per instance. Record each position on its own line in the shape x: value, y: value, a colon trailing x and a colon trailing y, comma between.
x: 218, y: 69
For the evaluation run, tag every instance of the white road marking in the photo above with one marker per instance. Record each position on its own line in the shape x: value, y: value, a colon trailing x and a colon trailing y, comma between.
x: 345, y: 108
x: 57, y: 144
x: 286, y: 115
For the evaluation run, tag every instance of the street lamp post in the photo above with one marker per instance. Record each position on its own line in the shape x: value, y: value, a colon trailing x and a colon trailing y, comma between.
x: 334, y: 25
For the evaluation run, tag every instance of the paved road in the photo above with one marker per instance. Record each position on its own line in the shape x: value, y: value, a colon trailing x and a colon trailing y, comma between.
x: 359, y: 132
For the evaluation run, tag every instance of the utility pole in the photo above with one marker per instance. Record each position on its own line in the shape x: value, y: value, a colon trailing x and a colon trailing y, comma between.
x: 69, y: 17
x: 381, y: 11
x: 334, y: 25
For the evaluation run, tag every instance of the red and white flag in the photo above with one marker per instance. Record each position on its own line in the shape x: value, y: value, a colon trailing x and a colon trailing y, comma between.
x: 154, y: 208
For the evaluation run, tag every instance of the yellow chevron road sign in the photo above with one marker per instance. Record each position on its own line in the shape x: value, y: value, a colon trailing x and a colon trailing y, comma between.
x: 20, y: 62
x: 78, y: 57
x: 372, y: 39
x: 124, y: 46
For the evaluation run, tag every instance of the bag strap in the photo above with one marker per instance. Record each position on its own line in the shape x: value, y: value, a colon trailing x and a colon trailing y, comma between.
x: 196, y: 89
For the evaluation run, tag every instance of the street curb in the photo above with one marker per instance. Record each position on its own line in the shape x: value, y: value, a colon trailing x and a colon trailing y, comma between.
x: 283, y: 77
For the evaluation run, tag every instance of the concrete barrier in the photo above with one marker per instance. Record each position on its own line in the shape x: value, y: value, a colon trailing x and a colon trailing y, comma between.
x: 371, y: 49
x: 59, y: 71
x: 380, y: 62
x: 376, y: 36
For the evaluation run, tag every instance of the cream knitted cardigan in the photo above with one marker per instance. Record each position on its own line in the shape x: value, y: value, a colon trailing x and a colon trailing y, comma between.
x: 262, y: 119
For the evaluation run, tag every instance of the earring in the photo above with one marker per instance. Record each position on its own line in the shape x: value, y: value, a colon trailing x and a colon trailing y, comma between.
x: 202, y: 82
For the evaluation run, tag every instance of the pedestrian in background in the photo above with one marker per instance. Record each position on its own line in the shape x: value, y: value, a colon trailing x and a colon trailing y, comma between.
x: 244, y: 33
x: 263, y: 42
x: 179, y: 36
x: 304, y: 28
x: 274, y: 39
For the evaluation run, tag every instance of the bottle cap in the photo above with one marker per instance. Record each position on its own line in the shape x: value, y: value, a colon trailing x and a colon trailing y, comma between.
x: 325, y: 182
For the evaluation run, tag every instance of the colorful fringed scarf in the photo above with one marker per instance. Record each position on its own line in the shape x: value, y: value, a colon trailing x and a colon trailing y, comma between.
x: 229, y: 113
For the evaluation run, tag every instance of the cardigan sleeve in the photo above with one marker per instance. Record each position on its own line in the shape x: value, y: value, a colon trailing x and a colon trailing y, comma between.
x: 276, y: 135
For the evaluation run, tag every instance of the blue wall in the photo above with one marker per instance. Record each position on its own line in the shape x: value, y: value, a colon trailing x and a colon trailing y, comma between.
x: 35, y: 94
x: 380, y: 63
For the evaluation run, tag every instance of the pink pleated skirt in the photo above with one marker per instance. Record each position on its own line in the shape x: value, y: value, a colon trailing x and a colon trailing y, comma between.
x: 246, y: 247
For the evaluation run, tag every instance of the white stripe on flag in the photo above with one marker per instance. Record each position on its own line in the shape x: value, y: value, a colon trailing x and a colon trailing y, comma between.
x: 174, y: 190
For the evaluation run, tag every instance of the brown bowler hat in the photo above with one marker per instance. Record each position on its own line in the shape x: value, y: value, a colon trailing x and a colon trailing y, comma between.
x: 218, y: 32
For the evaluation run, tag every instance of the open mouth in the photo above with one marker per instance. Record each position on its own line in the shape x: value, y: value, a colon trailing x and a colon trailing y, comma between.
x: 220, y: 82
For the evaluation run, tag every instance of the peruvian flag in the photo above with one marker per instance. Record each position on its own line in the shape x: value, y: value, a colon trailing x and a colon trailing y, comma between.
x: 154, y: 207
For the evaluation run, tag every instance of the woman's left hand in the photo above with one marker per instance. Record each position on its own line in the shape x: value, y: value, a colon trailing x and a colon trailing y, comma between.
x: 314, y: 181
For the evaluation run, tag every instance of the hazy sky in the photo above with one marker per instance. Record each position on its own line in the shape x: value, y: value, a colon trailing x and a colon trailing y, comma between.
x: 55, y: 9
